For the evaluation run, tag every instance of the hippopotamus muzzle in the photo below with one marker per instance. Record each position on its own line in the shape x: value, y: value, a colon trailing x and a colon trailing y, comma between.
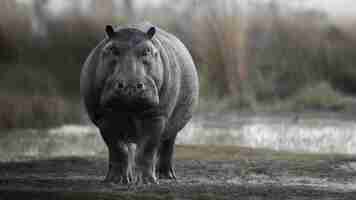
x: 134, y: 95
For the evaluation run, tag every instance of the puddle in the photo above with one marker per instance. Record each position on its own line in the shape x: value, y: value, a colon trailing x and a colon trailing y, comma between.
x: 308, y: 135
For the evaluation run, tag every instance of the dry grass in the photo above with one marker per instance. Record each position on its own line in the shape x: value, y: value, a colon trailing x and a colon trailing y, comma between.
x: 219, y: 38
x: 211, y: 152
x: 321, y: 96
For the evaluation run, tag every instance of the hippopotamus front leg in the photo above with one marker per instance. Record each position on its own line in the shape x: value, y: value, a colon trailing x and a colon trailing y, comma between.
x: 121, y: 158
x: 120, y: 163
x: 147, y: 149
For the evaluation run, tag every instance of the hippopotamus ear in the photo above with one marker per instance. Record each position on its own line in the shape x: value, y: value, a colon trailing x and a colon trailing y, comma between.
x: 151, y: 32
x: 109, y: 31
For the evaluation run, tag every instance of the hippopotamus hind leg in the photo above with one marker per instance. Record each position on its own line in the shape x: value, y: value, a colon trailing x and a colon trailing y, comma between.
x: 165, y: 164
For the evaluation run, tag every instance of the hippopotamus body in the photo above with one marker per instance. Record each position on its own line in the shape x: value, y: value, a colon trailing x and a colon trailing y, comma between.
x: 139, y: 87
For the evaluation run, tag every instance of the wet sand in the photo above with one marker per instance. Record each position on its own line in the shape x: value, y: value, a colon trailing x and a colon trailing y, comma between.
x: 204, y: 172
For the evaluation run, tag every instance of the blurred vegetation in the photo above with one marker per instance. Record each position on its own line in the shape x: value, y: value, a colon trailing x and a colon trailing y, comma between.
x: 23, y: 111
x: 251, y: 59
x: 321, y: 97
x: 269, y: 55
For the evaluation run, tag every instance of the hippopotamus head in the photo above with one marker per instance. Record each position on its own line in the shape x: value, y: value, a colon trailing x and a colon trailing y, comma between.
x: 135, y: 72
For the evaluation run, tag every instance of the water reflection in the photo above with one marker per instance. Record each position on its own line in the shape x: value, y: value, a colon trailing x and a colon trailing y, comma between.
x: 69, y: 140
x: 280, y: 133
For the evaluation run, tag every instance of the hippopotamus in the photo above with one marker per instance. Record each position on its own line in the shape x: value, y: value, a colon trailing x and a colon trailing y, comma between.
x: 139, y: 86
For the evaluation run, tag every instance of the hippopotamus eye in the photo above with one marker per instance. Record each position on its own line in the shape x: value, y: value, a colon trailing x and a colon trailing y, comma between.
x: 146, y: 52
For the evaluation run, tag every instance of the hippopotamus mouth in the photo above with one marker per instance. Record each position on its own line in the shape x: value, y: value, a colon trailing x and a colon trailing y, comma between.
x: 140, y: 110
x: 113, y: 103
x: 132, y: 105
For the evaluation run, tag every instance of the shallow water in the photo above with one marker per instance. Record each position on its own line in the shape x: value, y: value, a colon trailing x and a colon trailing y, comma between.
x: 308, y: 134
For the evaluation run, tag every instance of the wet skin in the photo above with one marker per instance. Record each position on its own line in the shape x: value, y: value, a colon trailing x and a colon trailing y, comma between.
x: 139, y: 87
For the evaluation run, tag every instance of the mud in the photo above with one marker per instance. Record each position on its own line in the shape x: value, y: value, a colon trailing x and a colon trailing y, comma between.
x: 226, y: 173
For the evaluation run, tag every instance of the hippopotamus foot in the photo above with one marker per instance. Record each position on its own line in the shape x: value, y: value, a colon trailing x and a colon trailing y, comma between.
x: 146, y: 164
x: 121, y: 162
x: 167, y: 173
x: 147, y: 150
x: 119, y: 174
x: 146, y: 176
x: 165, y: 162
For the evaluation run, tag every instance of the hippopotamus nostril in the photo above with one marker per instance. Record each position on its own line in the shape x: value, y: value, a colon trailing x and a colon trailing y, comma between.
x: 120, y: 85
x: 139, y: 86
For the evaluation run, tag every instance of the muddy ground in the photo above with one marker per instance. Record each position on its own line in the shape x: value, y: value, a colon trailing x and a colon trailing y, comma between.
x: 204, y: 172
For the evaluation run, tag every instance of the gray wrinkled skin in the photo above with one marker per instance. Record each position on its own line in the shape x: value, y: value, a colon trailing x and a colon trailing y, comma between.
x: 139, y: 86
